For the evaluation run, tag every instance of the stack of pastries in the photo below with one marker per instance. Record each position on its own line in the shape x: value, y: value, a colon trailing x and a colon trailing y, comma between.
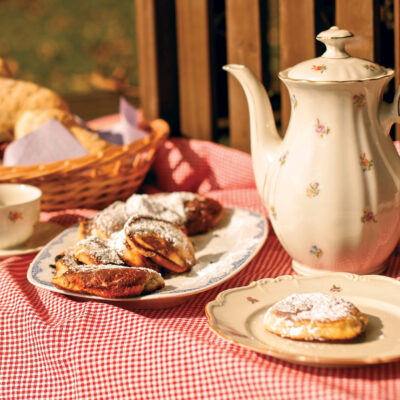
x: 126, y: 249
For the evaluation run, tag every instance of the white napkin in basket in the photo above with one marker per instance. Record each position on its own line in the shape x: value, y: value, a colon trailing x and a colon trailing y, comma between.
x: 127, y: 128
x: 48, y: 143
x: 53, y: 142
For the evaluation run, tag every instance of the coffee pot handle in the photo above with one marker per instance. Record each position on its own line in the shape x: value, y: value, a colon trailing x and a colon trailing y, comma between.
x: 389, y: 113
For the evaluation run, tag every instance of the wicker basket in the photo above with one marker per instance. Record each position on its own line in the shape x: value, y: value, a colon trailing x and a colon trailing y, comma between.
x: 93, y: 181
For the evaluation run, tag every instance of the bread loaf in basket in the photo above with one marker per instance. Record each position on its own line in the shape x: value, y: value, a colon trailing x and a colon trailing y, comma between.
x: 96, y: 180
x: 107, y: 174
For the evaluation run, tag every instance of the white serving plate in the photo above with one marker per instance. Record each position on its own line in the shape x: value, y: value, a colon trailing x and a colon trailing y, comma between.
x: 237, y: 315
x: 220, y: 254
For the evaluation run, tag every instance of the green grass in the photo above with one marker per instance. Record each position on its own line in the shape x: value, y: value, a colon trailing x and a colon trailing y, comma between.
x: 60, y: 44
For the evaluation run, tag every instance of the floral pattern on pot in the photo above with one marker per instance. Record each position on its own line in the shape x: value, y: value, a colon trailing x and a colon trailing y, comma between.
x: 359, y: 100
x: 368, y: 216
x: 313, y: 190
x: 273, y: 211
x: 366, y: 164
x: 370, y: 67
x: 316, y: 251
x: 13, y: 216
x: 319, y: 68
x: 282, y: 158
x: 321, y: 129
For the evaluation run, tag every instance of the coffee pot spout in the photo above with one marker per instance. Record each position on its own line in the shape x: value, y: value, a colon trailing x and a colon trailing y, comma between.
x: 264, y: 138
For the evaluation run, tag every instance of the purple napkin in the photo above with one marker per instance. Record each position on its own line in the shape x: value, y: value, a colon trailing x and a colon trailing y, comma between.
x: 49, y: 143
x: 52, y: 142
x: 126, y: 131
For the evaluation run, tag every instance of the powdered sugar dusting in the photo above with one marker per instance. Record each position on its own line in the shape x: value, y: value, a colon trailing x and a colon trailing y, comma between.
x: 313, y: 307
x: 163, y: 229
x: 166, y: 206
x: 112, y: 218
x: 175, y: 201
x: 156, y: 206
x: 118, y: 241
x: 99, y: 249
x: 94, y: 267
x: 69, y: 259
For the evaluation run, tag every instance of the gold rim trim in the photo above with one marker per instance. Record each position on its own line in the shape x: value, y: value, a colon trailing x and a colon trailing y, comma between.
x: 388, y: 73
x: 286, y: 356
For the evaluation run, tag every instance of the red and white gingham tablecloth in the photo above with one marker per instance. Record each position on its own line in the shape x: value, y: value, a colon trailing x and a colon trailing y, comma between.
x: 57, y: 347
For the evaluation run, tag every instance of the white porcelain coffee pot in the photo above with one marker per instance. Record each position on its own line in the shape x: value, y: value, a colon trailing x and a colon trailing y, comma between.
x: 332, y: 185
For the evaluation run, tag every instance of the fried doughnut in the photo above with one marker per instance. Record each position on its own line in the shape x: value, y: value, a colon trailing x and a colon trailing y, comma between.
x: 105, y: 223
x: 85, y: 228
x: 315, y: 317
x: 202, y: 213
x: 106, y: 280
x: 94, y: 250
x: 111, y: 219
x: 194, y: 212
x: 130, y: 256
x: 161, y: 241
x: 109, y: 280
x: 144, y: 205
x: 65, y: 261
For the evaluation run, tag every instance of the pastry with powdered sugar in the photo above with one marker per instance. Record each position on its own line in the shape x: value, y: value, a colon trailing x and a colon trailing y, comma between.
x: 105, y: 280
x: 105, y: 223
x: 124, y: 248
x: 192, y: 212
x: 315, y: 317
x: 161, y: 241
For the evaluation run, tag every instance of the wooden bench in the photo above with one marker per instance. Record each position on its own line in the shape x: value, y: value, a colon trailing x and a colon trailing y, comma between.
x: 181, y: 54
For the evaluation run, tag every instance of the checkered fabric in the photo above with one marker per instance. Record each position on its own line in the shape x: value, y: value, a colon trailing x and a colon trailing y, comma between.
x: 57, y: 347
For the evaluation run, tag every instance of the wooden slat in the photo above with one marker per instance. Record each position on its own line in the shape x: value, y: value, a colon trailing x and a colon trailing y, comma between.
x: 397, y: 52
x: 297, y: 42
x: 244, y: 46
x: 97, y: 104
x: 197, y: 107
x: 158, y: 80
x: 361, y: 18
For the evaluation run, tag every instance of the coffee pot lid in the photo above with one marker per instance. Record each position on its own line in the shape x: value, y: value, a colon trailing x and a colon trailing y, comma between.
x: 336, y: 64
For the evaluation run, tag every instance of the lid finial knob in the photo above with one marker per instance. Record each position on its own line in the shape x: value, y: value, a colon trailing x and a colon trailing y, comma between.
x: 335, y: 40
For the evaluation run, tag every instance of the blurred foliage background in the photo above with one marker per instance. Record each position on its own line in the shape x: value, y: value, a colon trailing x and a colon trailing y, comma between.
x: 86, y: 49
x: 73, y: 46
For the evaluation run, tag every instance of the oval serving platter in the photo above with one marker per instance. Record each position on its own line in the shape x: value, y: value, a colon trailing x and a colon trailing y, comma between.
x: 220, y: 254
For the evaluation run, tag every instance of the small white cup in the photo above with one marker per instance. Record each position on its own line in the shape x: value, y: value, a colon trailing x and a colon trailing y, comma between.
x: 19, y: 213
